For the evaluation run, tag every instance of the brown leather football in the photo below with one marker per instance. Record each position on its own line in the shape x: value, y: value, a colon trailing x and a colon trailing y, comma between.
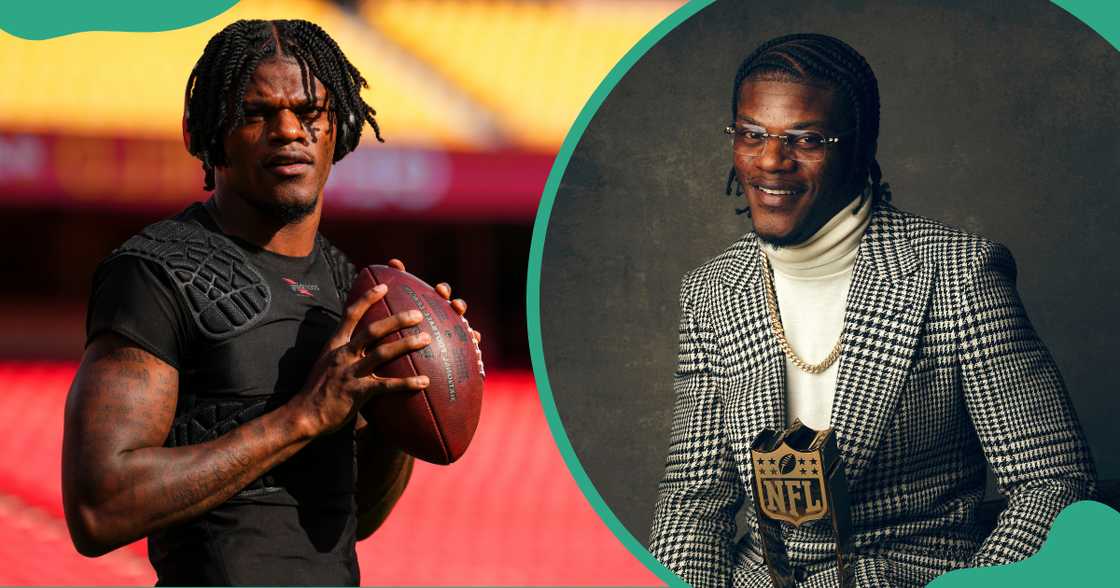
x: 437, y: 423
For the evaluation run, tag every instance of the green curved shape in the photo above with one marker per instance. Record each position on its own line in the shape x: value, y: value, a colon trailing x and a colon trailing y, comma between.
x: 1101, y: 16
x: 1078, y: 552
x: 1078, y: 521
x: 47, y: 19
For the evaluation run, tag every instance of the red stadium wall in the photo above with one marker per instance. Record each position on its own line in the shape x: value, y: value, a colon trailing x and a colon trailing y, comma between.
x: 159, y: 177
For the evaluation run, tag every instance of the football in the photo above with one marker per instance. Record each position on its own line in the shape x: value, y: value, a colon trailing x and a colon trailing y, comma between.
x: 437, y: 423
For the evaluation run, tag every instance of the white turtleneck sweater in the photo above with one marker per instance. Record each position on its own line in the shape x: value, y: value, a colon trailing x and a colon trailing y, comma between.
x: 811, y: 280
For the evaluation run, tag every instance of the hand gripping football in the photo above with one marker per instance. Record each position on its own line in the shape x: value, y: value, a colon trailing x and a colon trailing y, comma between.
x: 435, y: 424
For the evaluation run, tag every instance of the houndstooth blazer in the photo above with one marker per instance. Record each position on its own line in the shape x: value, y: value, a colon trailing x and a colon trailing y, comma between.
x: 940, y: 370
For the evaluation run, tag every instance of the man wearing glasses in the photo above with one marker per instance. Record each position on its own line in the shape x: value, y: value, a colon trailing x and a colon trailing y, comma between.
x: 904, y: 336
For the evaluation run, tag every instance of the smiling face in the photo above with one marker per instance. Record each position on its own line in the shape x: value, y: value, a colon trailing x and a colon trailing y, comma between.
x: 790, y: 200
x: 279, y: 159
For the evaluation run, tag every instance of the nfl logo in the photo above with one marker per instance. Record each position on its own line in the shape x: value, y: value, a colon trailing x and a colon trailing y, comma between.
x: 792, y: 470
x: 789, y: 484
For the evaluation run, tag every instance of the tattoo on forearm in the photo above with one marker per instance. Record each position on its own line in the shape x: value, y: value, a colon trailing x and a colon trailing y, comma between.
x: 125, y: 403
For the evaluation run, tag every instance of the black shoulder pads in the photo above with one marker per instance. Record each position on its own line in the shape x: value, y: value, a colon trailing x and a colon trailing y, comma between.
x: 225, y: 295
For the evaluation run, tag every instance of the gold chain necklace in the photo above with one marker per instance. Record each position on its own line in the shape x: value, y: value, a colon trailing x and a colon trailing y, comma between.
x: 780, y: 331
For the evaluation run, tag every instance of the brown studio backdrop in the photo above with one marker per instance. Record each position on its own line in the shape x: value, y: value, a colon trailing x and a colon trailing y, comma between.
x: 999, y: 118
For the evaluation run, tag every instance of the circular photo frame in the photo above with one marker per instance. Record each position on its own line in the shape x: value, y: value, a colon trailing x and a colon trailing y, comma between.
x: 996, y: 121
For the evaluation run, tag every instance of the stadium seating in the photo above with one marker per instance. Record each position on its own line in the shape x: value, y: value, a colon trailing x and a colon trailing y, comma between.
x: 131, y: 84
x: 468, y: 75
x: 533, y: 63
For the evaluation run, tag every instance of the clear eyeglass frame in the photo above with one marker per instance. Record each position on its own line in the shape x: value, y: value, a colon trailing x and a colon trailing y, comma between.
x: 807, y: 146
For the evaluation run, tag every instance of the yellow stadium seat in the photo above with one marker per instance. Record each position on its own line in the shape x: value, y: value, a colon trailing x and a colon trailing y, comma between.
x: 533, y: 63
x: 131, y: 84
x: 454, y: 74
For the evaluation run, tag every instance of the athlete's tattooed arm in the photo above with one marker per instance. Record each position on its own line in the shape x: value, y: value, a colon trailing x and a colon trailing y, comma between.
x: 120, y: 484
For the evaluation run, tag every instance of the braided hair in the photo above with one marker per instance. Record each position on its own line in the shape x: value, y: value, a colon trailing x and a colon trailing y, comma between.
x: 216, y: 87
x: 808, y: 57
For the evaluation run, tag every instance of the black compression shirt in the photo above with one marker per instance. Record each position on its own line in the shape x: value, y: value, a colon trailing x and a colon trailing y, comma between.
x: 297, y: 524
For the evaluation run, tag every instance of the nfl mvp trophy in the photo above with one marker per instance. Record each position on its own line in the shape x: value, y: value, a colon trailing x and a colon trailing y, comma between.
x: 799, y: 478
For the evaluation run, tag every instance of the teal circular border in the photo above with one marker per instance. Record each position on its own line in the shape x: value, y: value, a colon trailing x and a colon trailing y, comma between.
x: 1102, y: 16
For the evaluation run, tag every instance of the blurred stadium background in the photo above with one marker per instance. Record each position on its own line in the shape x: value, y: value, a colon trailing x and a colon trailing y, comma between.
x: 474, y: 98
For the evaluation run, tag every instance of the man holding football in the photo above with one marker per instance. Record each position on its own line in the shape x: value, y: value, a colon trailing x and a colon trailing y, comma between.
x: 216, y: 410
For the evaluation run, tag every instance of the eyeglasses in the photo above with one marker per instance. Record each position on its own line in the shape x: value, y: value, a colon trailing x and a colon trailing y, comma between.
x: 809, y: 146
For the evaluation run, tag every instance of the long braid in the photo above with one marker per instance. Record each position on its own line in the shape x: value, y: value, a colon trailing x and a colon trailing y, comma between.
x: 814, y: 57
x: 216, y: 86
x: 245, y: 73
